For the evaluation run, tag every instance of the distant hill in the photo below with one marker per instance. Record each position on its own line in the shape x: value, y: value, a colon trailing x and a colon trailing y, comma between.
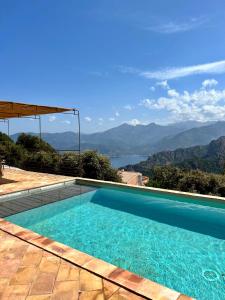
x: 124, y: 139
x: 191, y: 137
x: 208, y: 158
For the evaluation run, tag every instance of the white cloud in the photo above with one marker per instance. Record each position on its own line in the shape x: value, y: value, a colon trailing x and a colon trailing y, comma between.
x: 217, y: 67
x: 52, y: 118
x: 200, y: 105
x: 128, y: 107
x: 152, y: 88
x: 100, y: 119
x: 163, y: 84
x: 66, y: 122
x: 88, y: 119
x: 134, y: 122
x: 209, y: 83
x: 175, y: 27
x: 111, y: 119
x: 117, y: 114
x: 173, y: 93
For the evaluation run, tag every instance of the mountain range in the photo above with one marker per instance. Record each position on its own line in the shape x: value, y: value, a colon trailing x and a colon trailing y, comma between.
x: 140, y: 139
x: 208, y: 158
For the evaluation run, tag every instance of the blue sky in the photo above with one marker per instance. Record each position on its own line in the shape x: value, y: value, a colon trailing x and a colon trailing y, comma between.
x: 117, y: 61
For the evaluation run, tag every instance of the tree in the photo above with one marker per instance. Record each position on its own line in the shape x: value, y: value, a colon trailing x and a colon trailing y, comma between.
x: 12, y: 153
x: 108, y: 173
x: 34, y: 154
x: 41, y: 162
x: 70, y: 164
x: 33, y: 143
x: 165, y: 177
x: 98, y: 167
x: 194, y: 181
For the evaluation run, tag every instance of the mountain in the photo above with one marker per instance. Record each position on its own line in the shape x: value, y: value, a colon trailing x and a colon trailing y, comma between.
x: 191, y: 137
x: 124, y: 139
x: 208, y: 158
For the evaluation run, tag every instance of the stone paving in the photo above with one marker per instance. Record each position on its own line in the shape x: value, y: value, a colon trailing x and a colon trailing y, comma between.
x: 17, y: 180
x: 28, y: 272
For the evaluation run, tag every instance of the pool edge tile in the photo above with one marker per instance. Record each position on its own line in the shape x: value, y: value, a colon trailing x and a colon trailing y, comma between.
x: 123, y: 278
x: 184, y: 297
x: 99, y: 266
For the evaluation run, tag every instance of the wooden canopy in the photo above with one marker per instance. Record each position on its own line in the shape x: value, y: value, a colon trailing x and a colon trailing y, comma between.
x: 17, y: 110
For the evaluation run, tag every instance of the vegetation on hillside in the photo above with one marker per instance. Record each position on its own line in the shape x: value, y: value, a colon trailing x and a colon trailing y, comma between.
x: 209, y: 158
x: 31, y: 153
x: 198, y: 169
x: 33, y: 143
x: 194, y: 181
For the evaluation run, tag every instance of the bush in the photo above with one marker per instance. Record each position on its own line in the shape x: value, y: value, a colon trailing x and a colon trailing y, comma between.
x: 108, y: 173
x: 97, y: 166
x: 33, y: 143
x: 193, y: 181
x: 34, y: 154
x: 197, y: 182
x: 165, y: 177
x: 41, y: 162
x: 12, y: 153
x: 70, y: 164
x: 91, y: 165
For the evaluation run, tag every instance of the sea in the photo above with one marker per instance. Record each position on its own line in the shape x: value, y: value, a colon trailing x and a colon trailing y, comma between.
x: 124, y: 160
x: 119, y: 161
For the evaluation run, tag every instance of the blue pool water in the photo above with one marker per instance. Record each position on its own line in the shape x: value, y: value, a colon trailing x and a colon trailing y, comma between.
x: 178, y: 242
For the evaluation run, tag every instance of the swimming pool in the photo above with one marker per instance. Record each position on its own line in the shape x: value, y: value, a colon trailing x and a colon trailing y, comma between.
x: 176, y: 241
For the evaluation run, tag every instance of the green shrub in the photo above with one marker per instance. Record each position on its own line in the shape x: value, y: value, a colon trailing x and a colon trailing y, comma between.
x: 97, y: 166
x: 31, y: 153
x: 33, y: 143
x: 41, y: 162
x: 165, y: 177
x: 194, y: 181
x: 10, y: 152
x: 70, y: 164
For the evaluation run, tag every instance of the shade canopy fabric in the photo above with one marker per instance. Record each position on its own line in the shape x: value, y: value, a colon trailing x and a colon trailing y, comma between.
x: 10, y: 109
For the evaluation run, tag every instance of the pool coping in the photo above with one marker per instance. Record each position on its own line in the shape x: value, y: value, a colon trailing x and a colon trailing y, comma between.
x: 101, y: 183
x: 196, y: 196
x: 123, y: 278
x: 134, y: 283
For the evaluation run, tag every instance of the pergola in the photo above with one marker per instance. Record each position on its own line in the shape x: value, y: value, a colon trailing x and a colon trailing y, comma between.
x: 10, y: 109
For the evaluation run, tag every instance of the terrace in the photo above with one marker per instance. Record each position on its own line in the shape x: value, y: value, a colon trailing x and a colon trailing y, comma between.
x: 35, y: 267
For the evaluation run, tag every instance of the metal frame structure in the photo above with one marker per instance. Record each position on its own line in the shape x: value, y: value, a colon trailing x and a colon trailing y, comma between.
x: 75, y: 112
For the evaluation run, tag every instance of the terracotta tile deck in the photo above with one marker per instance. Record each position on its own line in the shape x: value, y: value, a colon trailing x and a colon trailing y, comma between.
x: 15, y: 180
x: 35, y: 267
x: 28, y: 272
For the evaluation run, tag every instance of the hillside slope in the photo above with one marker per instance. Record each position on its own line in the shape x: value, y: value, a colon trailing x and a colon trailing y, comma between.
x: 191, y: 137
x: 209, y: 158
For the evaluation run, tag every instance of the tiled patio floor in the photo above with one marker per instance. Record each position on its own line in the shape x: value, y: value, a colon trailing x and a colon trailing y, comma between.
x: 28, y: 272
x: 16, y: 180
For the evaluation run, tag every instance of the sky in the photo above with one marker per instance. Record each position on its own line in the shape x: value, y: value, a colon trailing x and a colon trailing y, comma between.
x: 134, y: 61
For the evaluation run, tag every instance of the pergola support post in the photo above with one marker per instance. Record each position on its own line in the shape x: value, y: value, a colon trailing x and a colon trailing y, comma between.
x: 40, y: 133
